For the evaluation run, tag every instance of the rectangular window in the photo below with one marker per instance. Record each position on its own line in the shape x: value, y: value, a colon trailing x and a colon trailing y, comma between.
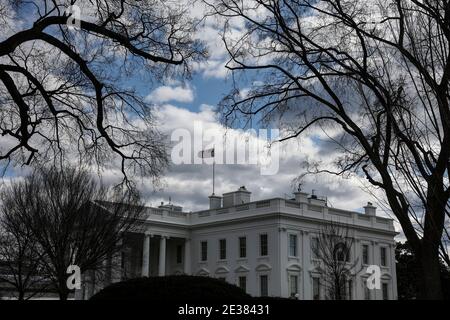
x: 292, y: 245
x: 384, y: 289
x: 243, y: 283
x: 349, y: 290
x: 366, y: 291
x: 383, y: 256
x: 179, y: 254
x: 242, y: 247
x: 204, y: 250
x: 222, y: 249
x: 263, y: 244
x: 314, y: 247
x: 316, y: 289
x: 365, y: 254
x: 293, y: 285
x: 264, y: 285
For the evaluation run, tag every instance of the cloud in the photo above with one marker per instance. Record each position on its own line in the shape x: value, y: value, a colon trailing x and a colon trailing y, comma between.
x: 171, y: 93
x: 189, y: 185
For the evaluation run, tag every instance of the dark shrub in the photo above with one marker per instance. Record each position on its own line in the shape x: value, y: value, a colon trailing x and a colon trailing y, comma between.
x: 173, y: 288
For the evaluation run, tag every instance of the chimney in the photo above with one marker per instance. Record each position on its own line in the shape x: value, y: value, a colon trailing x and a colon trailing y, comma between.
x: 241, y: 196
x: 215, y: 202
x: 369, y: 209
x: 317, y: 200
x: 301, y: 196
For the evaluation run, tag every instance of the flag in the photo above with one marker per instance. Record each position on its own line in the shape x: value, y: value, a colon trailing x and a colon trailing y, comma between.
x: 209, y: 153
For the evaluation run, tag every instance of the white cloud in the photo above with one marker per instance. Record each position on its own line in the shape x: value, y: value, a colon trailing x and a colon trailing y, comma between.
x: 171, y: 93
x: 190, y: 185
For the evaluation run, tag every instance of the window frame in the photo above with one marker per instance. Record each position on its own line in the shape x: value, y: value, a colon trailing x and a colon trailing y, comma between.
x: 313, y: 279
x: 384, y: 295
x: 242, y: 248
x: 223, y: 250
x: 266, y: 245
x: 291, y: 282
x: 204, y: 258
x: 260, y: 277
x: 240, y: 283
x: 365, y: 245
x: 295, y: 248
x: 384, y: 257
x: 314, y: 239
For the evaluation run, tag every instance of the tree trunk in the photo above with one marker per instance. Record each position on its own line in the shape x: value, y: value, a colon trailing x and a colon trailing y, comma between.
x: 63, y: 290
x: 63, y: 294
x: 429, y: 282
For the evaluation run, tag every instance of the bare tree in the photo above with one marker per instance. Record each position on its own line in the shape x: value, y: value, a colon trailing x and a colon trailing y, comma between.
x: 375, y: 77
x: 73, y: 219
x: 68, y: 91
x: 333, y: 250
x: 20, y: 257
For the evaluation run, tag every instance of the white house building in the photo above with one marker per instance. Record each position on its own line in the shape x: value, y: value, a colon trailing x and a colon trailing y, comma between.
x: 262, y: 246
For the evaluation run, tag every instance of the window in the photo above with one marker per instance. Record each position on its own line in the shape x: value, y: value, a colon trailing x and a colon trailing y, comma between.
x: 242, y: 281
x: 342, y: 252
x: 384, y: 289
x: 263, y: 244
x: 349, y: 289
x: 264, y: 285
x: 292, y: 245
x: 383, y: 256
x: 365, y: 254
x: 314, y: 247
x: 316, y: 289
x: 204, y: 250
x: 222, y: 249
x: 179, y: 254
x: 242, y: 247
x: 366, y: 291
x: 293, y: 285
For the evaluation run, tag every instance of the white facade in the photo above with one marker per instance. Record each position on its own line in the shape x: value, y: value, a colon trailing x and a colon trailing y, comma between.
x: 171, y: 243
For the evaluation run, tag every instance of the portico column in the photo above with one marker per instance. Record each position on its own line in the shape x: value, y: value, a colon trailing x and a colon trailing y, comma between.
x: 187, y: 256
x: 146, y: 256
x: 162, y: 256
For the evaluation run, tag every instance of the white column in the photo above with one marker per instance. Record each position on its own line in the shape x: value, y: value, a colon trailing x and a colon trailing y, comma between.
x: 162, y: 256
x: 146, y: 256
x: 306, y: 265
x: 187, y: 256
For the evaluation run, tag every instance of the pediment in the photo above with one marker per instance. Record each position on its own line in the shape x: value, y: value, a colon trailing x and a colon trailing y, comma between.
x: 263, y: 267
x: 203, y: 272
x: 222, y: 269
x: 294, y: 267
x: 241, y: 268
x: 386, y: 276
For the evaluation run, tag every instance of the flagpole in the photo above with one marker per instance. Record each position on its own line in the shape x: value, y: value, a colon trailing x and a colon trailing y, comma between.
x: 214, y: 165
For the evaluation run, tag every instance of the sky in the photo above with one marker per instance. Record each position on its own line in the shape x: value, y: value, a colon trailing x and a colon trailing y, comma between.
x: 182, y: 103
x: 195, y: 100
